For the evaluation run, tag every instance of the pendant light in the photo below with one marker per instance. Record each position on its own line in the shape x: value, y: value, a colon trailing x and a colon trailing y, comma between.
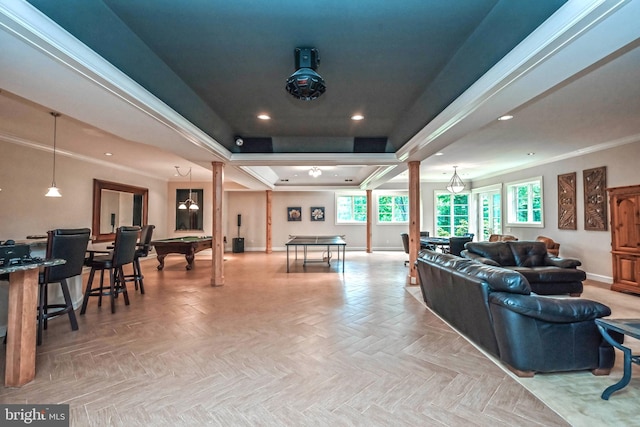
x: 189, y: 203
x: 455, y: 184
x: 53, y: 190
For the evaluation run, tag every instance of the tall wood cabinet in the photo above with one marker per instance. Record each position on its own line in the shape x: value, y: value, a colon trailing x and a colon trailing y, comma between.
x: 624, y: 203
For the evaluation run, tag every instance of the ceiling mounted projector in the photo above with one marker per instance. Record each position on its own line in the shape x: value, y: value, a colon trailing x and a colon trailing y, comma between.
x: 305, y: 83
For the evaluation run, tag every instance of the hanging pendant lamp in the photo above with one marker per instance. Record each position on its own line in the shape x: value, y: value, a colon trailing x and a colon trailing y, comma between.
x: 189, y: 203
x: 53, y: 190
x: 455, y: 185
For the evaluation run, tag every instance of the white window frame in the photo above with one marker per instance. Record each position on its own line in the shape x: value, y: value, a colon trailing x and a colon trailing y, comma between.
x: 477, y: 209
x: 511, y: 200
x: 349, y: 194
x: 437, y: 193
x: 377, y: 206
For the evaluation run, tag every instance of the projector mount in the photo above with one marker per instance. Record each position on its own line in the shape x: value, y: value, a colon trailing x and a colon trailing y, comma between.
x: 305, y: 83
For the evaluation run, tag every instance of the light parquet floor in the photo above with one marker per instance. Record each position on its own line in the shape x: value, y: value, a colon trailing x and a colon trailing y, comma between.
x: 310, y: 348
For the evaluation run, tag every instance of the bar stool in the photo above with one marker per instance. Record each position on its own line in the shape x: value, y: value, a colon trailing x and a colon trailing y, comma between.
x: 70, y: 245
x: 142, y: 250
x: 124, y: 249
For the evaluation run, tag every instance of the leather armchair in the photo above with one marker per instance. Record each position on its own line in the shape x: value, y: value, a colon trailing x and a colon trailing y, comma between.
x: 553, y: 248
x: 501, y: 237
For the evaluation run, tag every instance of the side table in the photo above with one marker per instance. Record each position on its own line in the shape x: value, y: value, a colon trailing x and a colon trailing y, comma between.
x: 630, y: 327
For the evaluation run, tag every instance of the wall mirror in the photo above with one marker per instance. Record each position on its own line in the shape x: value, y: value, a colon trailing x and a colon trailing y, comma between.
x: 115, y: 205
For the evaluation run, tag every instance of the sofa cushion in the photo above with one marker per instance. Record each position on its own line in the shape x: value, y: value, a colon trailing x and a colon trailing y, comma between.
x: 498, y: 278
x: 550, y: 274
x: 528, y: 254
x: 496, y: 251
x: 554, y: 310
x: 563, y: 262
x: 445, y: 260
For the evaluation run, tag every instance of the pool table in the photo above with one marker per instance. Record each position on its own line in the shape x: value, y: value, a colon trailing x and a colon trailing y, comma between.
x: 188, y: 246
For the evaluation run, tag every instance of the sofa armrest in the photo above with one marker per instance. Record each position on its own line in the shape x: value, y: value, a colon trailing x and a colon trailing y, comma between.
x: 475, y: 257
x: 555, y: 310
x: 562, y: 262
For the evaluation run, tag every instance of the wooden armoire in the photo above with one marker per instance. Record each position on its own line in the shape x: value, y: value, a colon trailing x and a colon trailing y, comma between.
x: 624, y: 203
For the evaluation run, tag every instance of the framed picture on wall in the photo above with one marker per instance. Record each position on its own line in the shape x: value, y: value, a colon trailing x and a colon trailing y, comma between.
x: 294, y: 213
x: 317, y: 213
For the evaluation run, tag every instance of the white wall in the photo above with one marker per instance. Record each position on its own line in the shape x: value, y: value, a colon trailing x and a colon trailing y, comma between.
x: 590, y: 247
x: 25, y: 175
x: 252, y: 206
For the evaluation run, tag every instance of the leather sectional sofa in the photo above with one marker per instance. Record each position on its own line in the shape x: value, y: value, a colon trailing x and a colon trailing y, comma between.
x: 494, y: 308
x: 547, y: 275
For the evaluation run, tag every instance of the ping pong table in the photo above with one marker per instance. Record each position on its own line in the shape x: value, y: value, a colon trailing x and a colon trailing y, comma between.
x: 306, y: 241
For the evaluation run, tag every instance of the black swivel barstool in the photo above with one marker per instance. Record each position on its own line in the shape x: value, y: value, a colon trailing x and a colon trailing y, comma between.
x: 70, y: 245
x: 124, y: 249
x: 142, y: 250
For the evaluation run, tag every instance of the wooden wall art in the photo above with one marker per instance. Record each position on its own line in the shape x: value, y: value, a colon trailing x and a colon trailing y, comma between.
x: 595, y: 200
x: 567, y: 201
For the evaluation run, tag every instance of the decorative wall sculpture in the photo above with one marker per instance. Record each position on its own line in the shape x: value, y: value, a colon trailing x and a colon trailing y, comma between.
x: 595, y: 200
x: 567, y: 201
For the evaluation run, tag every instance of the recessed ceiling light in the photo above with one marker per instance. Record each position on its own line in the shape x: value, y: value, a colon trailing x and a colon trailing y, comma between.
x: 505, y: 117
x: 108, y: 154
x: 531, y: 154
x: 439, y: 154
x: 357, y: 117
x: 264, y: 117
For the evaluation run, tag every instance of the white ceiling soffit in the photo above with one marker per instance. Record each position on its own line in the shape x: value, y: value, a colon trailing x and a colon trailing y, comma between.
x: 562, y: 46
x: 119, y: 105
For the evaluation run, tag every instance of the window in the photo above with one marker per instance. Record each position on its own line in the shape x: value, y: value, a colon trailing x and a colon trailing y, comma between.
x: 489, y: 211
x: 351, y: 209
x: 452, y: 214
x: 393, y: 209
x: 189, y: 219
x: 524, y: 203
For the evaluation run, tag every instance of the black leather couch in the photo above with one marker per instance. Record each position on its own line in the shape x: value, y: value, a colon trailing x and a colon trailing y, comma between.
x: 547, y: 275
x: 494, y: 307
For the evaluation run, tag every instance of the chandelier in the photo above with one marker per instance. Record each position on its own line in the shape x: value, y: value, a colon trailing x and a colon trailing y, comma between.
x: 315, y: 172
x: 455, y: 184
x: 189, y: 203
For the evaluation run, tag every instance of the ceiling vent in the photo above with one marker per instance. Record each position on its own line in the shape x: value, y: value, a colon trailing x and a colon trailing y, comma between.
x: 305, y: 83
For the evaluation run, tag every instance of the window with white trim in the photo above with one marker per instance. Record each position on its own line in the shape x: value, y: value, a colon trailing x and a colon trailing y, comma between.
x: 451, y: 214
x: 393, y: 208
x: 488, y: 210
x: 351, y: 208
x: 524, y: 203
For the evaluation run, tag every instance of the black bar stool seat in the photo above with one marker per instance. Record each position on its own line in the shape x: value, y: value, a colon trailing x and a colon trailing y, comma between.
x: 70, y: 245
x: 124, y: 249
